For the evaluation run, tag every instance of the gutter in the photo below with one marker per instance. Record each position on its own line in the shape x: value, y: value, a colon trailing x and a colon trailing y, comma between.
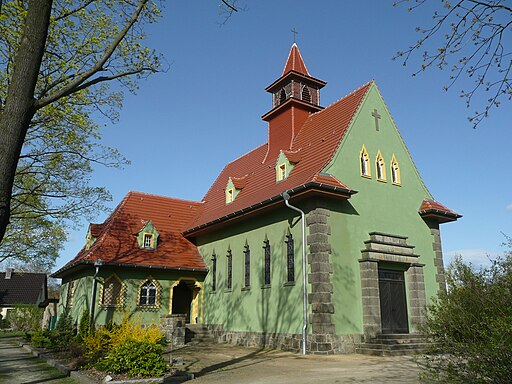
x: 286, y: 197
x: 347, y: 193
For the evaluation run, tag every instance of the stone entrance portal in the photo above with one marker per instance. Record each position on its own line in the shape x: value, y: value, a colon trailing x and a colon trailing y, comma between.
x: 387, y: 264
x: 181, y: 300
x: 393, y: 306
x: 185, y: 299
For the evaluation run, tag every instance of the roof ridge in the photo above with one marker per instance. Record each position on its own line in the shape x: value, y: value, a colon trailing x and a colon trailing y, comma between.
x: 163, y: 197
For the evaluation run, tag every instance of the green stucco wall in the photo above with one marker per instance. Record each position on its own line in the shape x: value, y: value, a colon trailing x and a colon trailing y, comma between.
x: 277, y: 308
x: 378, y: 206
x: 132, y: 278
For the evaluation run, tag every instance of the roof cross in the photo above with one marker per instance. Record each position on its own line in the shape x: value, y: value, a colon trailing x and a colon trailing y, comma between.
x: 376, y: 115
x: 295, y: 33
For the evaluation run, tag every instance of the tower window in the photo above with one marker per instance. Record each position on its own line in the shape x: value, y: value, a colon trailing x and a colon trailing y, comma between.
x: 364, y: 163
x: 306, y: 95
x: 380, y: 167
x: 282, y: 96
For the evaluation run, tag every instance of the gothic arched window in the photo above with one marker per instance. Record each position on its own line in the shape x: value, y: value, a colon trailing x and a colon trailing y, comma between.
x: 282, y: 96
x: 306, y: 95
x: 364, y: 162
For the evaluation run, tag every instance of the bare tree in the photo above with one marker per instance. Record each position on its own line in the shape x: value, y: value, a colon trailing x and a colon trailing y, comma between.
x: 472, y: 38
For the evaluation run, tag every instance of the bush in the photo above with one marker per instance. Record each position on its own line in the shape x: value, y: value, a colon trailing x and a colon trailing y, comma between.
x: 135, y: 358
x: 63, y: 333
x: 471, y: 326
x: 126, y: 348
x: 25, y: 318
x: 41, y: 339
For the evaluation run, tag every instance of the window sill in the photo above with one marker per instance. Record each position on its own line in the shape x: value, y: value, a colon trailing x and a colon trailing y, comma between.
x: 265, y: 286
x: 289, y: 284
x: 228, y: 290
x: 246, y: 288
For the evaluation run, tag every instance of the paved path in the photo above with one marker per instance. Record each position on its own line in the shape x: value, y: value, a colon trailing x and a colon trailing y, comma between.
x: 228, y: 364
x: 18, y: 366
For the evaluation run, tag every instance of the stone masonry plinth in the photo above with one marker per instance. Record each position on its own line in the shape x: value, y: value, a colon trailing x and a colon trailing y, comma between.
x: 322, y: 339
x: 174, y: 329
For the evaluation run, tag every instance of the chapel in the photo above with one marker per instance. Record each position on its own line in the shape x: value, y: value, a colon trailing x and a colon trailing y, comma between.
x: 320, y: 239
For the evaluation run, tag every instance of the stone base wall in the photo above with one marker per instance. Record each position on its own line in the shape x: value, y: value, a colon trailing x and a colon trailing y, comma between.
x: 331, y: 344
x: 174, y: 329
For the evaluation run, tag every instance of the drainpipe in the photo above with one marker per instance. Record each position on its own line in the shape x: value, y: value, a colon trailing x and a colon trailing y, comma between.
x: 97, y: 264
x: 286, y: 197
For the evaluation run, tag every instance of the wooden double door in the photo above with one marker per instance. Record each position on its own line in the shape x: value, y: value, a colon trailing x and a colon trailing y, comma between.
x: 393, y: 304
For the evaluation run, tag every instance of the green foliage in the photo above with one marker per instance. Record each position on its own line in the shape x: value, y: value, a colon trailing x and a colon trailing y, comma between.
x: 84, y: 326
x: 471, y: 326
x: 52, y: 187
x: 135, y: 358
x: 63, y: 333
x: 25, y: 317
x: 41, y: 339
x: 127, y: 348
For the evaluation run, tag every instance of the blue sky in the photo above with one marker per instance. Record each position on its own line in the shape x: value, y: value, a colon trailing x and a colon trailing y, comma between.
x: 184, y: 125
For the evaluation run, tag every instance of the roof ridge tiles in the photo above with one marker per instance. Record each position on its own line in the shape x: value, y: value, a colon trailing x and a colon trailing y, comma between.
x: 163, y: 197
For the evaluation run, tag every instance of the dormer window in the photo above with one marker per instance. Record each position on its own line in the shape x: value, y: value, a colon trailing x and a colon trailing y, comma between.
x: 281, y: 175
x: 229, y: 196
x: 147, y: 237
x: 148, y: 240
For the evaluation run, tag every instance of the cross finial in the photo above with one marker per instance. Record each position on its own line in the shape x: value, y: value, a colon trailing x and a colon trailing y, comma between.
x: 295, y: 33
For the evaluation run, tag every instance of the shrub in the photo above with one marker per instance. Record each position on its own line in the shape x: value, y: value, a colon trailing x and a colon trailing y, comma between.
x: 113, y: 348
x: 84, y: 327
x: 471, y: 326
x: 135, y: 358
x: 41, y: 339
x: 25, y: 318
x: 63, y: 333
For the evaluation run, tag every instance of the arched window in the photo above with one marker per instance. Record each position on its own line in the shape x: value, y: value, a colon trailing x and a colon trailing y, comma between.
x: 148, y: 294
x: 380, y: 167
x: 306, y: 95
x: 364, y: 162
x: 247, y: 266
x: 112, y: 294
x: 290, y: 259
x: 395, y: 171
x: 266, y: 262
x: 282, y: 96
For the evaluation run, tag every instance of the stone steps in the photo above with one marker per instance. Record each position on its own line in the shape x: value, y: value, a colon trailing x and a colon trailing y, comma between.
x: 394, y: 345
x: 198, y: 333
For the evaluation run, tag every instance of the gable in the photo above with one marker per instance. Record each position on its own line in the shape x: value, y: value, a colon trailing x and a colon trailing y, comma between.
x: 383, y: 143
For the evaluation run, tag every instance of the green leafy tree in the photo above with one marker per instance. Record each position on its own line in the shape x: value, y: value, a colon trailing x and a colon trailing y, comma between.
x: 472, y: 39
x: 471, y: 326
x: 57, y: 62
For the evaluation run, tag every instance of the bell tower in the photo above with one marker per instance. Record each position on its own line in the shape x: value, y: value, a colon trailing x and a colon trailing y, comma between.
x: 295, y: 95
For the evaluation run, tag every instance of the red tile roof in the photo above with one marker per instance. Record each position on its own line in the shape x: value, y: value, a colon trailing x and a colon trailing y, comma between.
x: 117, y: 242
x: 317, y: 142
x: 434, y: 209
x: 295, y: 62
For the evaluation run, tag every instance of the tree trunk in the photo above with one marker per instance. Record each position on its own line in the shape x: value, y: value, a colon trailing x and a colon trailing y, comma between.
x: 18, y: 110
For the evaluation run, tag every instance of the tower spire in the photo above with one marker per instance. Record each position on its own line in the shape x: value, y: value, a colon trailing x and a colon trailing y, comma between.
x: 295, y: 95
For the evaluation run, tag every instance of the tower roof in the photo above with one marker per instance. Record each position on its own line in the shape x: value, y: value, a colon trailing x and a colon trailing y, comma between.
x: 295, y: 62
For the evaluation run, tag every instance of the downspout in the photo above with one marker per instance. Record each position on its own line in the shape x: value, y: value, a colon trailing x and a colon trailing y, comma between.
x: 286, y: 197
x: 97, y: 264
